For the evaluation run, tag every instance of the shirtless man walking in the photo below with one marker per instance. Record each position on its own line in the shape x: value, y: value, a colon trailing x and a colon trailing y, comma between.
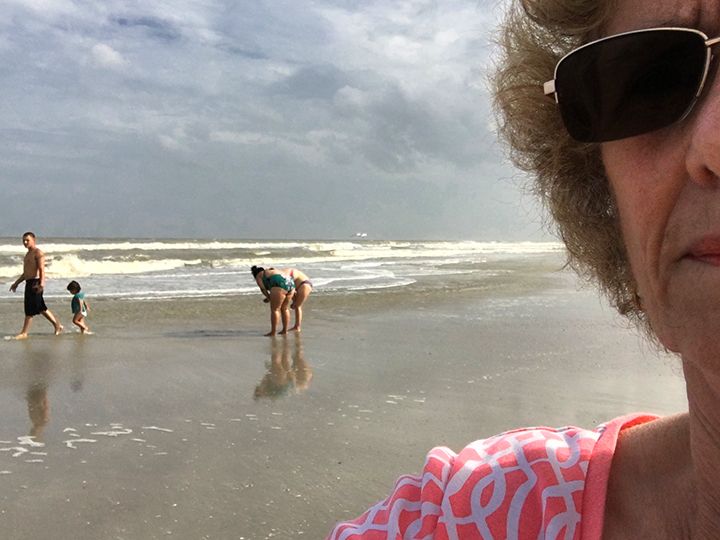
x: 34, y: 277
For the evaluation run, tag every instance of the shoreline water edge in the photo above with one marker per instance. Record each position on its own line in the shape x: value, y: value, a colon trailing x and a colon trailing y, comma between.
x: 177, y: 418
x: 139, y: 269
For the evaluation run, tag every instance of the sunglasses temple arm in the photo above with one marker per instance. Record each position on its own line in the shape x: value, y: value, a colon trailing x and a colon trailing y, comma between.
x: 549, y: 89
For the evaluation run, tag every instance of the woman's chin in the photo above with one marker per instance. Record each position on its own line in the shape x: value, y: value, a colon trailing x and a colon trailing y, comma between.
x: 693, y: 335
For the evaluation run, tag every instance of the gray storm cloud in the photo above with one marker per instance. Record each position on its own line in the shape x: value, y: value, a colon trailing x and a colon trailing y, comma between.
x: 253, y: 119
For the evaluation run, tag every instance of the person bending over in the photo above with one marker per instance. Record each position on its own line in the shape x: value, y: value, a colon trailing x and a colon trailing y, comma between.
x: 278, y: 289
x: 303, y: 288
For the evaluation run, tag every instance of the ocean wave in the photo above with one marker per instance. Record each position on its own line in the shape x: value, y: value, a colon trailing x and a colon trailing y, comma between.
x: 84, y: 259
x: 73, y: 266
x: 10, y: 271
x: 123, y: 269
x: 387, y: 285
x: 139, y: 245
x: 378, y: 255
x: 262, y: 248
x: 179, y: 293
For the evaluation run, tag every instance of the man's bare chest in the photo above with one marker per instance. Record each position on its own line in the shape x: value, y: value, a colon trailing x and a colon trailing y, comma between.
x: 30, y: 260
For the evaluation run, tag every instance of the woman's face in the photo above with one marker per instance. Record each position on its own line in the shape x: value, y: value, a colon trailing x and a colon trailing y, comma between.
x: 667, y: 187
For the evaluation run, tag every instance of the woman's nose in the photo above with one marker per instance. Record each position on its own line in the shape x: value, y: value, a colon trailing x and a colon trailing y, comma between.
x: 703, y: 155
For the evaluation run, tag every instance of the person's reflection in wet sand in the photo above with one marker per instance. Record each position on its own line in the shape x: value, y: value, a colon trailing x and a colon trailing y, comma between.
x: 77, y: 366
x: 284, y: 376
x: 301, y: 369
x: 38, y: 409
x: 38, y: 367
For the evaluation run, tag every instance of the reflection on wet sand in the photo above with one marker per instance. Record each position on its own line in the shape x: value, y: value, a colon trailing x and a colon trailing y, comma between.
x: 285, y: 375
x: 39, y: 370
x: 38, y: 409
x: 78, y: 365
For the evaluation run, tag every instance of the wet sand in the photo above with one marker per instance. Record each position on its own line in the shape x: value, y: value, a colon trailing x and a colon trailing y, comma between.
x: 178, y: 419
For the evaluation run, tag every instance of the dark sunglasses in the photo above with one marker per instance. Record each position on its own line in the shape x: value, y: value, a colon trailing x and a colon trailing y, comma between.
x: 631, y: 83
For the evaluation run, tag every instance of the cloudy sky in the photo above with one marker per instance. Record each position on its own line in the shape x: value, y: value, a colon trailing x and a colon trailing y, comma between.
x: 253, y: 119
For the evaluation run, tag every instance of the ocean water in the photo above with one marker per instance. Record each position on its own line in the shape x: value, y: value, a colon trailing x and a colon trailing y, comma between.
x: 162, y: 268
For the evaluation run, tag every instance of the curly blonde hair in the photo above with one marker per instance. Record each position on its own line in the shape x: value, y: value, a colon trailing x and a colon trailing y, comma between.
x: 569, y: 176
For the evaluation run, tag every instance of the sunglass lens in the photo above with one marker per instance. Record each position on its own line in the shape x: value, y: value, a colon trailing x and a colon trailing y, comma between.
x: 630, y: 84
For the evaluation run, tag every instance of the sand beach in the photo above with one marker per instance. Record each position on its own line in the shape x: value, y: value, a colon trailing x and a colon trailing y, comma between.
x: 178, y: 419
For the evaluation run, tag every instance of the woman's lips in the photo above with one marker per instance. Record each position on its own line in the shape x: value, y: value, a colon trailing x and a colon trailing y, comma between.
x: 706, y: 250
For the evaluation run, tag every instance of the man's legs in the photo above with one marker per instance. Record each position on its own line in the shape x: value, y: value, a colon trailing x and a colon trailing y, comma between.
x: 26, y: 327
x: 35, y: 304
x: 50, y: 317
x: 28, y: 320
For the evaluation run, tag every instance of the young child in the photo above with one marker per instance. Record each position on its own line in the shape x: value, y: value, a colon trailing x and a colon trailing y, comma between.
x: 79, y: 307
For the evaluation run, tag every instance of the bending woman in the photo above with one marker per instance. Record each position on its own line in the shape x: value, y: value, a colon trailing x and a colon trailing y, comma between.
x: 278, y: 289
x: 303, y: 288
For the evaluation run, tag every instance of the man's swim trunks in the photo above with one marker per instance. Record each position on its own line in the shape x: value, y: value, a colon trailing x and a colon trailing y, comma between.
x: 34, y: 303
x: 278, y: 280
